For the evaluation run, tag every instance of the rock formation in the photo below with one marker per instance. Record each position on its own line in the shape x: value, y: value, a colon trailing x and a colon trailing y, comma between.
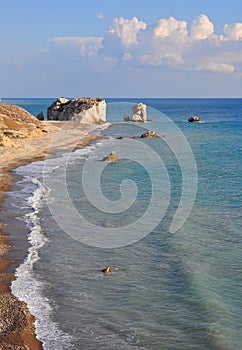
x: 18, y: 115
x: 139, y: 114
x: 17, y: 123
x: 194, y: 119
x: 112, y: 157
x: 126, y: 118
x: 40, y: 116
x: 149, y: 134
x: 83, y: 110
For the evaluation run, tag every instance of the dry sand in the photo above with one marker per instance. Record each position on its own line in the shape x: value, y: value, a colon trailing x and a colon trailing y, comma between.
x: 21, y: 145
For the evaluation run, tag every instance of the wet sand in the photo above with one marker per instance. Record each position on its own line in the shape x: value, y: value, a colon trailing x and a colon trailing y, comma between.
x: 17, y: 331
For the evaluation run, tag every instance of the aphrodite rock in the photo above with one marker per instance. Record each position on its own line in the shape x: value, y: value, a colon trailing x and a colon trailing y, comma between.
x: 112, y: 157
x: 83, y: 110
x: 148, y: 134
x: 139, y: 113
x: 194, y: 119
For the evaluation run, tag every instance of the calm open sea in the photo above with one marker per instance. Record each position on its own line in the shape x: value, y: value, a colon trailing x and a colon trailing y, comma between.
x: 170, y: 287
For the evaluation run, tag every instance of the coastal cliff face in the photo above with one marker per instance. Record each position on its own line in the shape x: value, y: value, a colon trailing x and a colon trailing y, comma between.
x: 16, y: 123
x: 83, y: 110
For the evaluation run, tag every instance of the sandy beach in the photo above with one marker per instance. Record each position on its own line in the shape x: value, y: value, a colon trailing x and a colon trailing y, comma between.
x: 16, y: 323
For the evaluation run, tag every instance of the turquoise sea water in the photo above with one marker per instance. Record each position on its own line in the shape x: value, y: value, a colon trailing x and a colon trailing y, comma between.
x: 179, y: 290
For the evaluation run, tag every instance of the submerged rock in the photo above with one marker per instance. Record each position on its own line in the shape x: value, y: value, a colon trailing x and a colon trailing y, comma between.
x: 194, y: 119
x: 112, y: 157
x: 84, y: 110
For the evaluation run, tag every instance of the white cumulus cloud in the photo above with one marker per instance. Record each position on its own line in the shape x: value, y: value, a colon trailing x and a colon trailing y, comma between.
x: 233, y: 31
x: 202, y: 28
x: 169, y: 44
x: 170, y: 27
x: 126, y: 30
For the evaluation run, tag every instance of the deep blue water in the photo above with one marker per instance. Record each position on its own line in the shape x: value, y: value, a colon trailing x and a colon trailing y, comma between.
x: 166, y: 289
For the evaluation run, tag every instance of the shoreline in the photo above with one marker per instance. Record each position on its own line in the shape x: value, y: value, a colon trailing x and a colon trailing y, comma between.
x: 17, y: 325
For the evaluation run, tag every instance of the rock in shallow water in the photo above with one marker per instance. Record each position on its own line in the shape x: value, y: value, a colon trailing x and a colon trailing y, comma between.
x: 112, y: 157
x: 149, y: 134
x: 194, y: 119
x: 139, y: 114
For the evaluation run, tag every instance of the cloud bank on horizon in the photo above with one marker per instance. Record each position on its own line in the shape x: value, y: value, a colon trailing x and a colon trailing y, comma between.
x: 169, y: 45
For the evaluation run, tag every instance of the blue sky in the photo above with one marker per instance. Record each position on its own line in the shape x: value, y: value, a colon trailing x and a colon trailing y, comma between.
x: 112, y: 48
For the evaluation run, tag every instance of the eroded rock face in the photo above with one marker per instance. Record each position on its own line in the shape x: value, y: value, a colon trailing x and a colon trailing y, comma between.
x: 16, y: 116
x: 17, y: 123
x: 139, y: 114
x: 83, y: 110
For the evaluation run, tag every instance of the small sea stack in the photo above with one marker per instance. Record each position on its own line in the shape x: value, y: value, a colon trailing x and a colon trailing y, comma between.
x: 139, y: 114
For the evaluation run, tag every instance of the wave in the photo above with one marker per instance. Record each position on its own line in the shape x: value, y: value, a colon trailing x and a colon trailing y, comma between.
x: 27, y: 287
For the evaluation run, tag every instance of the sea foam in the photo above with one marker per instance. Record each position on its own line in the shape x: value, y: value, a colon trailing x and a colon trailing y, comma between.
x: 27, y: 288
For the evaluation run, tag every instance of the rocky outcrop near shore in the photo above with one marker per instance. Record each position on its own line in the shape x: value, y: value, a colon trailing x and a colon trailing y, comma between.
x: 112, y: 157
x: 139, y: 113
x: 83, y: 110
x: 150, y: 134
x: 17, y: 123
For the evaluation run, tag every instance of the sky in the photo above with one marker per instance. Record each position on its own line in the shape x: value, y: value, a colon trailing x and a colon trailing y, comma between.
x: 110, y: 48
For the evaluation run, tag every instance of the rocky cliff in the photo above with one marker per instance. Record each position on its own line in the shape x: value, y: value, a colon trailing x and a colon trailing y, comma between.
x: 17, y: 123
x: 83, y: 110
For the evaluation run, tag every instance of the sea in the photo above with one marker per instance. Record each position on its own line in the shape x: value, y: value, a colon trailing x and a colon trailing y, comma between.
x: 166, y: 218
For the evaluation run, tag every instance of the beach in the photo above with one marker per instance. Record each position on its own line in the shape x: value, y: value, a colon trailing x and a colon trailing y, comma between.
x: 17, y: 324
x: 167, y: 290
